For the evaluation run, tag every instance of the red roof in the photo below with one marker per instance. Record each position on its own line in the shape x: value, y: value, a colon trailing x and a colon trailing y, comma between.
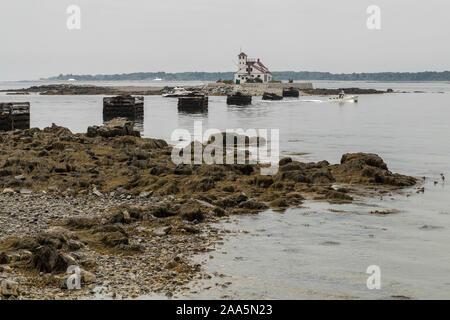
x: 242, y: 54
x: 259, y: 66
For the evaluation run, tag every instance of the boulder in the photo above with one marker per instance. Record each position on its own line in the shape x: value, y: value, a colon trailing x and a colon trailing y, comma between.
x: 368, y: 168
x: 48, y: 260
x: 114, y: 128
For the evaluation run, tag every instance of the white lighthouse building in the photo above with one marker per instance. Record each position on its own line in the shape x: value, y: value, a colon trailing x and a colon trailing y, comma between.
x: 251, y: 69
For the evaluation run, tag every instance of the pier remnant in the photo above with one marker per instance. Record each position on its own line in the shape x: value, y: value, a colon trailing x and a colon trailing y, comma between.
x: 239, y: 99
x: 291, y: 92
x: 14, y: 115
x: 271, y: 96
x: 193, y: 103
x: 123, y: 106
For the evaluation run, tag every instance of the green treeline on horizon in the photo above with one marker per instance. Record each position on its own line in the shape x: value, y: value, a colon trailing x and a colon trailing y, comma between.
x: 279, y: 75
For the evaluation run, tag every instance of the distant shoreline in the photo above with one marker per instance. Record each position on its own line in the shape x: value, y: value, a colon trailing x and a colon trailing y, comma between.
x: 211, y: 89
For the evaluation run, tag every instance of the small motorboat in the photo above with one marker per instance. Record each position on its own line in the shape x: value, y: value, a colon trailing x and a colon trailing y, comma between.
x: 342, y: 97
x: 157, y: 79
x: 177, y: 92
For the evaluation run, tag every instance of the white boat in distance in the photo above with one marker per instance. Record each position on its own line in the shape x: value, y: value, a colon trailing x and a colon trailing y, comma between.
x: 157, y: 79
x: 177, y: 92
x: 342, y: 97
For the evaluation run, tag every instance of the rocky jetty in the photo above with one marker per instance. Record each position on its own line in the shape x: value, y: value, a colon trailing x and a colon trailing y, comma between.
x: 115, y: 205
x: 210, y: 89
x: 71, y: 89
x: 239, y: 99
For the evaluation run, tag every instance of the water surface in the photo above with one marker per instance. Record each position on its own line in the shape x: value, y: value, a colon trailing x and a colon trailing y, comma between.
x: 320, y: 251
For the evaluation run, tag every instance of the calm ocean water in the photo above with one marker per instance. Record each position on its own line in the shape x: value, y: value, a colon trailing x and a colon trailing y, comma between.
x: 316, y: 252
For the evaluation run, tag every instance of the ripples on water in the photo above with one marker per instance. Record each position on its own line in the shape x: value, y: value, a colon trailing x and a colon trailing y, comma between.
x: 322, y: 250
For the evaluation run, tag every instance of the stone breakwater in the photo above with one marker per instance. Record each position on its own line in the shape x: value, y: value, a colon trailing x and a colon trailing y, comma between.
x: 117, y: 207
x: 211, y: 89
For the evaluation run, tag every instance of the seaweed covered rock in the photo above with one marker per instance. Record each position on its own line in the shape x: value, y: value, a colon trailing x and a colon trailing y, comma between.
x: 48, y: 260
x: 368, y: 168
x: 115, y: 127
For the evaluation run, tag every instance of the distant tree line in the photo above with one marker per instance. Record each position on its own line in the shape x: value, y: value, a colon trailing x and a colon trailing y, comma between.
x: 280, y: 75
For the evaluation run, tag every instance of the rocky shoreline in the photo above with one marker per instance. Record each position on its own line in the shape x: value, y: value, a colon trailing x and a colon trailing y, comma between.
x: 211, y: 89
x: 116, y: 206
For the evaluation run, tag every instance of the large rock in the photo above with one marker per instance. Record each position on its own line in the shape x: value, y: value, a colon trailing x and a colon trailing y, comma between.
x: 114, y: 128
x: 48, y: 260
x: 368, y: 168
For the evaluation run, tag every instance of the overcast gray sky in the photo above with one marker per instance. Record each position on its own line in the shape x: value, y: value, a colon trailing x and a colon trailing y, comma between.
x: 122, y: 36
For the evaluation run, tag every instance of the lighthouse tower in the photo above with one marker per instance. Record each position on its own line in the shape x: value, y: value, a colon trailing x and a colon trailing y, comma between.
x: 242, y: 58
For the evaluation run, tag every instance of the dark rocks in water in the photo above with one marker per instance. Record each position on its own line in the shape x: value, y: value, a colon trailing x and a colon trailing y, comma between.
x: 338, y: 196
x: 14, y: 115
x: 239, y: 99
x: 368, y: 168
x: 291, y: 92
x: 123, y: 106
x: 356, y: 160
x: 271, y: 96
x: 114, y: 128
x: 193, y: 103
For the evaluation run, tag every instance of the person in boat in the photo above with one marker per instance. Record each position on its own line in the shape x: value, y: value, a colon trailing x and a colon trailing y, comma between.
x: 341, y: 95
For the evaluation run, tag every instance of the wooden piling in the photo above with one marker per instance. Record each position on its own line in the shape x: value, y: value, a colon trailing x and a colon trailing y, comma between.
x: 291, y: 92
x: 123, y: 106
x: 193, y: 103
x: 239, y: 99
x: 14, y: 115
